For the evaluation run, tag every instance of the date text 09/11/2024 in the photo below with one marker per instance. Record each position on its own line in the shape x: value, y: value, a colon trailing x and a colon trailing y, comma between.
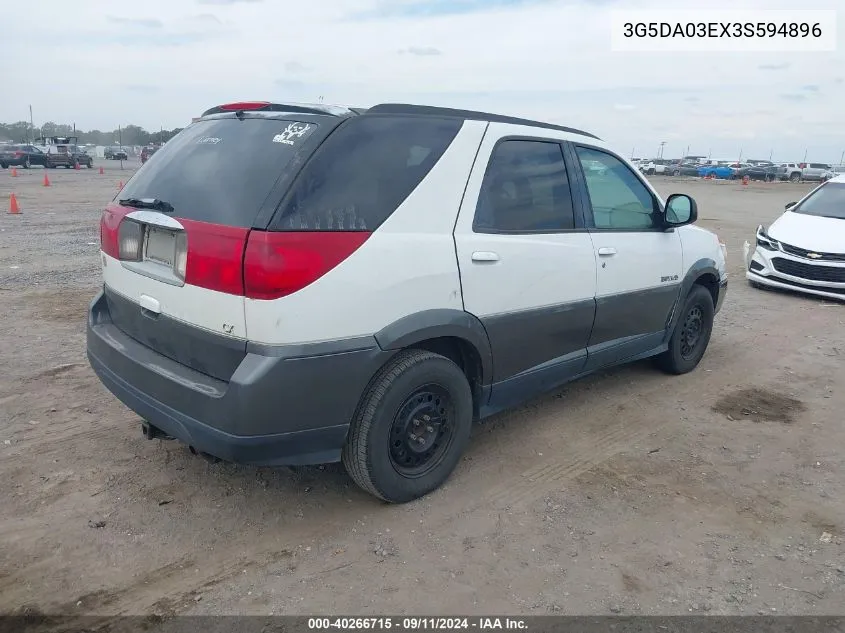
x: 417, y: 624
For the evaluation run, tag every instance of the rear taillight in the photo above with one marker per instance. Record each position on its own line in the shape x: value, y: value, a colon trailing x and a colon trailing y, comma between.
x: 130, y: 237
x: 18, y: 154
x: 109, y: 230
x: 214, y: 257
x: 277, y: 264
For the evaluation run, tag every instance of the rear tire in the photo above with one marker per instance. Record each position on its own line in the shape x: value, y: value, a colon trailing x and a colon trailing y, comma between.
x: 411, y: 427
x: 692, y: 333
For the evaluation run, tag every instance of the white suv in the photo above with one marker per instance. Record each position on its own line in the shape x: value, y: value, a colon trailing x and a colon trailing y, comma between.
x: 290, y: 284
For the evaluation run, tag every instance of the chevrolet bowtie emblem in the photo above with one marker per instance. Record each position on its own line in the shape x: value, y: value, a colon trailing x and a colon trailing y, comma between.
x: 814, y: 256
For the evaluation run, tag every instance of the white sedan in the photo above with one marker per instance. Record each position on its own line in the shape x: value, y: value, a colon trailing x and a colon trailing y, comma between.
x: 804, y: 249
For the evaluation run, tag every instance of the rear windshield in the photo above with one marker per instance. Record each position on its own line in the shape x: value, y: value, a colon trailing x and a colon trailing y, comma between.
x: 220, y: 170
x: 828, y: 201
x: 364, y: 170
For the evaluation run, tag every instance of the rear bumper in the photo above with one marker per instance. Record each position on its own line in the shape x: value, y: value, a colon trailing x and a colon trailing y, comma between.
x: 284, y: 405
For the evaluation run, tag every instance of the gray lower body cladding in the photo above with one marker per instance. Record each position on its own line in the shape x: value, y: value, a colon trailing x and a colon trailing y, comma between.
x: 282, y: 405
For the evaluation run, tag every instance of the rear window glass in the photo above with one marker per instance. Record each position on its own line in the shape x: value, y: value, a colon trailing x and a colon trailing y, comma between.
x: 364, y: 170
x: 828, y: 201
x: 220, y: 170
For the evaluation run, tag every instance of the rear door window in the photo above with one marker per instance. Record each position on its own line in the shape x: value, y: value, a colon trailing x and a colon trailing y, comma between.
x: 525, y: 189
x: 363, y: 172
x: 221, y: 170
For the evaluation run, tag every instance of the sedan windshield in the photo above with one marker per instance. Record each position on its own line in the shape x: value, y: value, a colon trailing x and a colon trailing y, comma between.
x: 828, y: 201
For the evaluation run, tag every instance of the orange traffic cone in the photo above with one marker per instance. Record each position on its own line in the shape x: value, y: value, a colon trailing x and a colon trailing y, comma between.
x: 46, y: 181
x: 101, y: 170
x: 14, y: 173
x: 745, y: 180
x: 76, y: 166
x: 14, y: 209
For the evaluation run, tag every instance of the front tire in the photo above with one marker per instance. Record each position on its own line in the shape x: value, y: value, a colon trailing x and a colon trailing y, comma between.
x: 27, y: 164
x: 794, y: 177
x: 692, y: 333
x: 411, y: 427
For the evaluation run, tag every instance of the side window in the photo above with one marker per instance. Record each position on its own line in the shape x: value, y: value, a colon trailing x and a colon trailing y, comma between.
x: 525, y: 189
x: 618, y: 198
x: 364, y: 171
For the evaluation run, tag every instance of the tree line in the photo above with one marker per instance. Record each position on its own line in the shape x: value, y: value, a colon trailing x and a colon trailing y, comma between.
x: 23, y: 131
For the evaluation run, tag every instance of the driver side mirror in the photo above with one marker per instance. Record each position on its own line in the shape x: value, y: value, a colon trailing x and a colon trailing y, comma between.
x: 789, y: 205
x: 681, y: 209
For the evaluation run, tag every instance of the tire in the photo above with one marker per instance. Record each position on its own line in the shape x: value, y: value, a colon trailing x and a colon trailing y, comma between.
x: 769, y: 178
x: 3, y: 165
x: 26, y: 163
x: 406, y: 393
x: 90, y: 164
x: 75, y: 165
x: 794, y: 177
x: 677, y: 172
x: 681, y: 358
x: 650, y: 172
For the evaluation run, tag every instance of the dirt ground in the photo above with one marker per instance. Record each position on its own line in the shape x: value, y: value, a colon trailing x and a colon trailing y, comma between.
x: 722, y: 491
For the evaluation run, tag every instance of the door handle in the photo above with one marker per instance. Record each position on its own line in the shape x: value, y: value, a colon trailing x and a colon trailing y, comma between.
x: 485, y: 256
x: 607, y: 251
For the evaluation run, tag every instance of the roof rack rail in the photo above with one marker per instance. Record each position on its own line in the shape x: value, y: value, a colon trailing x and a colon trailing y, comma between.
x: 265, y: 106
x: 406, y: 108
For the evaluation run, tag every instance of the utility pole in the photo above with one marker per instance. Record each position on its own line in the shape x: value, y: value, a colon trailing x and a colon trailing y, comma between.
x: 633, y: 149
x: 31, y: 124
x: 842, y: 159
x: 660, y: 150
x: 771, y: 153
x: 805, y: 155
x: 120, y: 143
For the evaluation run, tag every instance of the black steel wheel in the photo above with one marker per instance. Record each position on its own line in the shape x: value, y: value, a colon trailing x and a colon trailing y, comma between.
x: 691, y: 334
x: 411, y: 427
x: 421, y: 433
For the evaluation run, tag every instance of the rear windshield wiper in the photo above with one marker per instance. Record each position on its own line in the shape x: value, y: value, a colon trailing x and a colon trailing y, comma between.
x: 147, y: 203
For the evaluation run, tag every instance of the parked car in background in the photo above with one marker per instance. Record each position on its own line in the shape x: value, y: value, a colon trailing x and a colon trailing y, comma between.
x: 80, y: 156
x: 738, y: 170
x: 58, y: 156
x: 146, y: 152
x: 804, y: 249
x: 716, y: 171
x: 23, y: 155
x: 685, y: 168
x: 654, y: 166
x: 766, y: 173
x: 816, y: 171
x: 790, y: 171
x: 115, y: 153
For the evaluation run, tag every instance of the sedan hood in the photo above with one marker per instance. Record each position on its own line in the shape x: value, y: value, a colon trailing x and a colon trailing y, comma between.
x: 826, y: 235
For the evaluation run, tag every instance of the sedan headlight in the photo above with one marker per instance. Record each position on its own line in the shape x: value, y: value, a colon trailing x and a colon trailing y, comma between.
x: 766, y: 242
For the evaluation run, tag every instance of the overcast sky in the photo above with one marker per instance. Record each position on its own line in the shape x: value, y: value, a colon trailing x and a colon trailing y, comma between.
x: 102, y: 63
